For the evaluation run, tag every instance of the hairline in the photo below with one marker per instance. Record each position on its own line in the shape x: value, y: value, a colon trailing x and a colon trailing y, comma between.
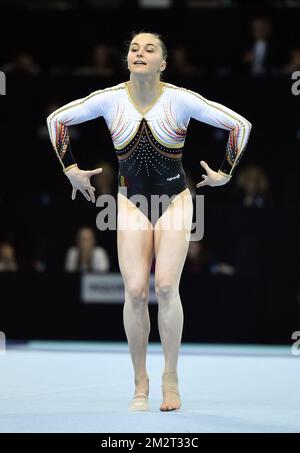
x: 148, y: 44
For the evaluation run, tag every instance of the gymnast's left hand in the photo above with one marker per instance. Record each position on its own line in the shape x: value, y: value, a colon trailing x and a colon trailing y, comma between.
x: 212, y: 178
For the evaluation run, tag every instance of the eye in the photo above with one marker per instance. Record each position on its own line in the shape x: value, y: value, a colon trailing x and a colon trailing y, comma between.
x: 148, y: 50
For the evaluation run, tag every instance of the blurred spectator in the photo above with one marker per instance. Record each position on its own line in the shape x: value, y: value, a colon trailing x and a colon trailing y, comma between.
x: 8, y: 261
x: 250, y: 226
x: 101, y: 63
x: 294, y: 62
x: 179, y: 63
x: 22, y: 64
x: 254, y: 184
x: 259, y: 59
x: 86, y: 256
x: 200, y: 260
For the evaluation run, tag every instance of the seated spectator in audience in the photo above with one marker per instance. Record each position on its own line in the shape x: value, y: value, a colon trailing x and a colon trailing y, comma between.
x: 201, y: 260
x: 259, y: 59
x: 294, y: 62
x: 8, y: 261
x: 254, y: 184
x: 86, y: 256
x: 252, y: 226
x: 101, y: 64
x: 179, y: 63
x: 23, y: 64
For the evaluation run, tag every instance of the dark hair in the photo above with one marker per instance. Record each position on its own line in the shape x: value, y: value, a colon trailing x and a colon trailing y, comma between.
x: 136, y: 33
x: 79, y: 257
x: 84, y: 227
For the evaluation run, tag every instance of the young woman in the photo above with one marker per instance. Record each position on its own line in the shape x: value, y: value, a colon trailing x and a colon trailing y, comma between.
x: 148, y: 121
x: 86, y: 256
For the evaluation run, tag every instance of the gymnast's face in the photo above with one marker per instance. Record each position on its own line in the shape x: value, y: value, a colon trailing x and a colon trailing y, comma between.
x: 145, y: 55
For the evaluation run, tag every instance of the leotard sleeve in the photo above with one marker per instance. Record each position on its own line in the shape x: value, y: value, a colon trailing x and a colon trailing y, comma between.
x: 75, y: 112
x: 197, y: 107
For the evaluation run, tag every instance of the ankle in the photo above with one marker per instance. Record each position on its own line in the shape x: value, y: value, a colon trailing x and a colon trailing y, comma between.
x: 170, y: 382
x: 141, y: 380
x: 172, y: 375
x: 142, y: 388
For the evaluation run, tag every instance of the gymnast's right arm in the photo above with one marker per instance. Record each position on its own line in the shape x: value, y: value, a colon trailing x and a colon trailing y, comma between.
x: 75, y: 112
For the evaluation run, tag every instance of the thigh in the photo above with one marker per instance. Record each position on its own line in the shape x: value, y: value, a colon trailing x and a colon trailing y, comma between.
x: 134, y: 241
x: 171, y: 242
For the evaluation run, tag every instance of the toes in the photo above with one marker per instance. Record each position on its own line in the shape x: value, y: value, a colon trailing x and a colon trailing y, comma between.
x: 168, y: 408
x: 164, y: 408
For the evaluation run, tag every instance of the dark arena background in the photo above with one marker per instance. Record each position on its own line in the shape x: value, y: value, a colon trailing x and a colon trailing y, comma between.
x: 240, y: 287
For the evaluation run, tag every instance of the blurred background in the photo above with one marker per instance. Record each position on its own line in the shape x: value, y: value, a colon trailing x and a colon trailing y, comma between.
x: 59, y: 275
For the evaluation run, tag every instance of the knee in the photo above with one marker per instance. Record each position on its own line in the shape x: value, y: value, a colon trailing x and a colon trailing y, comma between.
x: 137, y: 294
x: 164, y: 290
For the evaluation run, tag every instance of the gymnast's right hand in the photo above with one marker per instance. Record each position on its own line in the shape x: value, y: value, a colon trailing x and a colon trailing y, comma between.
x: 80, y: 180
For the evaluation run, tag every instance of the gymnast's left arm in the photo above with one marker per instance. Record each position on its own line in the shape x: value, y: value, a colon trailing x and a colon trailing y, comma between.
x: 220, y: 116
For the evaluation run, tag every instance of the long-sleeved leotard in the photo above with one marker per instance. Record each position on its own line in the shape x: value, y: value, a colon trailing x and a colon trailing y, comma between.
x: 149, y: 145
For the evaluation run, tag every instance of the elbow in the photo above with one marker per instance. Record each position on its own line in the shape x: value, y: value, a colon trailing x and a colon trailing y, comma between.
x: 248, y: 124
x: 244, y: 124
x: 249, y: 128
x: 48, y: 119
x: 53, y: 117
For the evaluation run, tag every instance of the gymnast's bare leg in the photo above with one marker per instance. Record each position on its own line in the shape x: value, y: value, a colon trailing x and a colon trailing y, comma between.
x: 135, y: 253
x: 171, y: 248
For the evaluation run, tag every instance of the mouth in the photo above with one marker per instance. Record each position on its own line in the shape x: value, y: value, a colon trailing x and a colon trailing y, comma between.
x: 139, y: 62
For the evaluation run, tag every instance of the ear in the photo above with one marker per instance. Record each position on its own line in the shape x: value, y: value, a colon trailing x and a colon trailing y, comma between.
x: 163, y: 66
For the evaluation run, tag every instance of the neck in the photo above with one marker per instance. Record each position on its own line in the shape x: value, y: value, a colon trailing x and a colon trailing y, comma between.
x: 144, y: 90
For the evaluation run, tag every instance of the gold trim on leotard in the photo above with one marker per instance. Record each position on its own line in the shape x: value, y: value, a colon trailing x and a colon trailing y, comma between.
x: 161, y: 90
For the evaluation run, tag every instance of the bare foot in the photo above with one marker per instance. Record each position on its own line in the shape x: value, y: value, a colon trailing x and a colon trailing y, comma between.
x: 171, y: 396
x: 171, y: 402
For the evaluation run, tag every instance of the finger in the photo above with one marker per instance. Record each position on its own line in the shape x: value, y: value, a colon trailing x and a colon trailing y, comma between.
x: 85, y: 194
x: 201, y: 184
x: 87, y: 187
x: 204, y: 165
x: 91, y: 194
x: 95, y: 172
x: 205, y: 181
x: 74, y: 193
